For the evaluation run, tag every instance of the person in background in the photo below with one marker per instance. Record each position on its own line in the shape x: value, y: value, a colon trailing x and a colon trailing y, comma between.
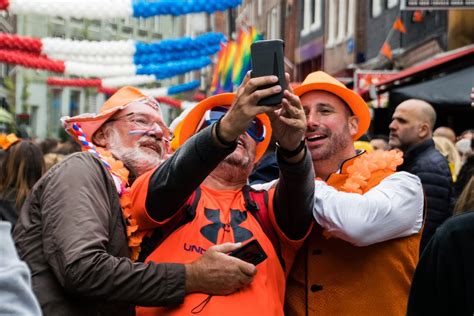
x: 380, y: 142
x: 48, y: 145
x: 60, y: 152
x: 443, y: 283
x: 266, y: 169
x: 76, y: 232
x: 363, y: 145
x: 22, y: 168
x: 449, y: 151
x: 411, y: 131
x: 447, y: 132
x: 467, y: 170
x: 464, y: 148
x: 360, y: 257
x: 16, y: 295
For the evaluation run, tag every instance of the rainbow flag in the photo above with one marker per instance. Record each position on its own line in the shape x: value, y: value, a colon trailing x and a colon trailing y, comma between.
x: 234, y: 62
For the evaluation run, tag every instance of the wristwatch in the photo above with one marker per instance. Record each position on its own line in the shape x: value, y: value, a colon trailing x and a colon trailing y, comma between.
x: 291, y: 153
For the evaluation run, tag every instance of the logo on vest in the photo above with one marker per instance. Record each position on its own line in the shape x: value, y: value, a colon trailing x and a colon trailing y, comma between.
x: 211, y: 231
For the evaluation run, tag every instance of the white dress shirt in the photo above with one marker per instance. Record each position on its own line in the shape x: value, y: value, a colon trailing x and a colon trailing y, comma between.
x: 392, y: 209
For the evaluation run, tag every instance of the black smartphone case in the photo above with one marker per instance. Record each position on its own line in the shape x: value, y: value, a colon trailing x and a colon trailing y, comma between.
x: 252, y: 252
x: 268, y: 59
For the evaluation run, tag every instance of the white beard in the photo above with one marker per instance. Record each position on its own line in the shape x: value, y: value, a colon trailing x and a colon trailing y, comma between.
x: 136, y: 158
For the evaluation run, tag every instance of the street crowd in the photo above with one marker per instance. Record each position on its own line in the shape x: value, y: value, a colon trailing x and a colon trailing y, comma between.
x: 134, y: 218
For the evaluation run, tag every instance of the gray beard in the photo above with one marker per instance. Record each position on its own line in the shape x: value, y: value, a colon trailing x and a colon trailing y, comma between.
x: 135, y: 159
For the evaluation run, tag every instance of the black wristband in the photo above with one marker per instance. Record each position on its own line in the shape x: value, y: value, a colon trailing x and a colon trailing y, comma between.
x: 291, y: 153
x: 219, y: 137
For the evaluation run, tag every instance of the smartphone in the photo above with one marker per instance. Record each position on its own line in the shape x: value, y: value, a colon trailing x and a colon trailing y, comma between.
x: 251, y: 252
x: 267, y: 59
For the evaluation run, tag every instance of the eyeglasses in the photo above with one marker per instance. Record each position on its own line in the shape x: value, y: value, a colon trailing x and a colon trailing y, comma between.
x: 256, y: 129
x: 144, y: 123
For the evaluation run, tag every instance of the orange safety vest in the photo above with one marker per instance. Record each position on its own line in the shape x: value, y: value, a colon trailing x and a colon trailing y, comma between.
x: 221, y: 216
x: 333, y: 277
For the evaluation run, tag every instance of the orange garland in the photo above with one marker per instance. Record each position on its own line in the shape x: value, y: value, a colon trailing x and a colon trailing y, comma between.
x: 134, y: 236
x: 363, y: 167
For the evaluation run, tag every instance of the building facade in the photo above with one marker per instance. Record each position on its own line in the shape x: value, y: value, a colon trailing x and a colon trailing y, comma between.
x: 40, y: 106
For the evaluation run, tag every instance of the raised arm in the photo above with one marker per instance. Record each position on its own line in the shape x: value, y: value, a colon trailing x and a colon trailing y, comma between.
x: 295, y: 189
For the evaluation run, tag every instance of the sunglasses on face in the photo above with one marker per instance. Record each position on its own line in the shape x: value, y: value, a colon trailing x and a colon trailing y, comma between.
x: 256, y: 129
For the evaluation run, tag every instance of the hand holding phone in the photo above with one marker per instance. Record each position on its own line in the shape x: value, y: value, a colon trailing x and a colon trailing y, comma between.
x: 252, y: 252
x: 268, y: 59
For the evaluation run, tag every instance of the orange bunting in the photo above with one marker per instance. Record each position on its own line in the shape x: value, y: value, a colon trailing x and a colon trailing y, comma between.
x: 398, y: 25
x: 387, y: 51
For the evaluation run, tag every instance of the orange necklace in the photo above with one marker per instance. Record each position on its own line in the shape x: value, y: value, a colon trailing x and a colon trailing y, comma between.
x: 365, y: 165
x: 120, y: 176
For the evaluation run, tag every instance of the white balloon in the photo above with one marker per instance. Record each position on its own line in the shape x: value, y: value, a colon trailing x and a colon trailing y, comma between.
x: 89, y: 9
x: 56, y: 46
x: 91, y: 70
x: 114, y: 82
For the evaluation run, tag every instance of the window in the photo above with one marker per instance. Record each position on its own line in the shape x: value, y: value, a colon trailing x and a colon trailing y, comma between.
x: 142, y: 23
x: 392, y: 3
x: 351, y: 18
x: 341, y: 21
x: 332, y: 24
x: 156, y: 26
x: 312, y: 17
x: 272, y: 24
x: 376, y: 8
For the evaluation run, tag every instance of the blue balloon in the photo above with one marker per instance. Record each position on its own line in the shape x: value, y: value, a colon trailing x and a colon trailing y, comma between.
x: 147, y: 8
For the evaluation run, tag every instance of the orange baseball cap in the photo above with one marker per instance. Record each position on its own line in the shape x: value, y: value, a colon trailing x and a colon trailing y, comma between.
x: 187, y: 127
x: 321, y: 81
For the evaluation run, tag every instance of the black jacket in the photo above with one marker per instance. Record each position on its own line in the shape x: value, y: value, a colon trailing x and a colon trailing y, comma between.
x: 443, y: 283
x: 432, y: 168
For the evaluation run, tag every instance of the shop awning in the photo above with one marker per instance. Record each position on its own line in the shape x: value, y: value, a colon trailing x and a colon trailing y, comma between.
x: 444, y: 63
x: 451, y: 91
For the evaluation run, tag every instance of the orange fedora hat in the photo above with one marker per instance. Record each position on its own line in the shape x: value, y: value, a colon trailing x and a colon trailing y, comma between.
x: 90, y: 123
x: 187, y: 127
x: 321, y: 81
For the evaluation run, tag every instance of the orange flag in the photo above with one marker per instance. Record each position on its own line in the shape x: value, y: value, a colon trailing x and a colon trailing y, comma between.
x: 386, y: 51
x: 398, y: 25
x: 417, y: 16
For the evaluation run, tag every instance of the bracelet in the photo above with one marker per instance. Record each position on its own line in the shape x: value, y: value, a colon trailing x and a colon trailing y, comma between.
x: 291, y: 153
x: 219, y: 137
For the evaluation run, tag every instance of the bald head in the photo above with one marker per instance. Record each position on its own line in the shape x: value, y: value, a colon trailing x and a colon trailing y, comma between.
x: 421, y: 111
x: 445, y: 132
x: 412, y: 123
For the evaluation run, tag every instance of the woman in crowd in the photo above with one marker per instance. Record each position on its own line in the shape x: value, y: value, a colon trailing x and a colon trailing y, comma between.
x: 22, y: 167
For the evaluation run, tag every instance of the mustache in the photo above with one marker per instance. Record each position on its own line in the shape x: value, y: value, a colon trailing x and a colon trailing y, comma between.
x: 322, y: 130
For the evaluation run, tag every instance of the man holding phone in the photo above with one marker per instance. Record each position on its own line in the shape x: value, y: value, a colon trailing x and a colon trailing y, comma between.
x: 199, y: 198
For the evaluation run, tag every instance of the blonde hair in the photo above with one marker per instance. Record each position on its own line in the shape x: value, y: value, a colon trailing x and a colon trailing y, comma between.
x: 450, y: 152
x: 465, y: 201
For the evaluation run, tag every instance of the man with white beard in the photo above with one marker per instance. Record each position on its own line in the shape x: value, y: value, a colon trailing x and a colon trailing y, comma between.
x: 78, y: 236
